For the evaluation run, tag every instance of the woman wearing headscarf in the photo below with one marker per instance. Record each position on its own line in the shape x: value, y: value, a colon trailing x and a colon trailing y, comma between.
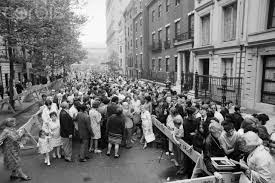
x: 95, y: 118
x: 258, y: 166
x: 10, y: 140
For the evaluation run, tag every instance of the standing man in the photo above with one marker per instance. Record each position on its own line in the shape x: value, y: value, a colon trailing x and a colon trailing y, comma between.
x: 66, y: 131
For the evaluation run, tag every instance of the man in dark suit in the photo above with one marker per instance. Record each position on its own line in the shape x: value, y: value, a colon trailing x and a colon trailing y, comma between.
x: 66, y: 131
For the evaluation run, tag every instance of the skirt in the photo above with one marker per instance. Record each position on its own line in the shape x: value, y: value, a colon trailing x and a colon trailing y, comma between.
x: 114, y: 138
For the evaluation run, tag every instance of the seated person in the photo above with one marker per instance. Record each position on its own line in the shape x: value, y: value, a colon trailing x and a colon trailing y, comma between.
x: 259, y: 163
x: 212, y: 147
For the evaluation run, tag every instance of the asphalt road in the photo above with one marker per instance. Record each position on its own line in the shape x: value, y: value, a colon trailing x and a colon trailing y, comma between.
x: 134, y: 166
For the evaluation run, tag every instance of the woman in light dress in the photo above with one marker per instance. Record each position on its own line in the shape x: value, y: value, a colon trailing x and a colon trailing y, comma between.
x: 52, y: 128
x: 95, y: 118
x: 147, y: 127
x: 47, y: 109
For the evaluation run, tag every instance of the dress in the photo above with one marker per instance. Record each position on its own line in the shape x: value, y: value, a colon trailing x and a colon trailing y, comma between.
x: 11, y: 148
x: 95, y: 118
x: 55, y: 138
x: 44, y: 145
x: 147, y: 127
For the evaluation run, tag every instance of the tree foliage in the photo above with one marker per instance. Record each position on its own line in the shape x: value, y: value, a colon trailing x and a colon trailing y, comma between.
x: 45, y: 32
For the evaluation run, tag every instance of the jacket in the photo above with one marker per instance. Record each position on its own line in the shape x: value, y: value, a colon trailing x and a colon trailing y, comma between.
x: 66, y: 124
x: 84, y: 125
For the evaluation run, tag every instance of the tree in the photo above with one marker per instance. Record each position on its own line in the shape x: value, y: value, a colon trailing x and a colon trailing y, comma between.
x: 46, y: 31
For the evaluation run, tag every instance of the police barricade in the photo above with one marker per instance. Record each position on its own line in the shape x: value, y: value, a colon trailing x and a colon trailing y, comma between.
x: 195, y: 156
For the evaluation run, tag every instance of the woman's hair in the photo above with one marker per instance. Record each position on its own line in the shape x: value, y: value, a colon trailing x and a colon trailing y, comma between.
x: 148, y: 98
x: 48, y: 102
x: 119, y: 111
x: 7, y: 122
x: 53, y: 114
x: 263, y: 118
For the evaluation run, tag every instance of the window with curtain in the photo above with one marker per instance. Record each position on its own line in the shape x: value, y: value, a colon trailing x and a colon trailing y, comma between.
x: 159, y: 67
x: 153, y: 38
x: 205, y: 22
x: 177, y: 28
x: 167, y: 36
x: 167, y: 65
x: 230, y: 21
x: 271, y: 15
x: 167, y: 5
x: 153, y: 15
x: 159, y: 12
x: 227, y: 67
x: 176, y: 64
x: 191, y: 25
x: 153, y: 64
x: 159, y: 35
x: 268, y: 83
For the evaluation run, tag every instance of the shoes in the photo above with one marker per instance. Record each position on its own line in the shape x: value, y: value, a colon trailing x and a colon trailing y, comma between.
x: 68, y: 160
x: 27, y: 178
x: 83, y: 160
x: 117, y: 156
x: 49, y: 164
x: 98, y: 151
x: 129, y: 147
x: 91, y: 150
x: 59, y: 156
x: 108, y: 154
x: 87, y: 158
x: 13, y: 177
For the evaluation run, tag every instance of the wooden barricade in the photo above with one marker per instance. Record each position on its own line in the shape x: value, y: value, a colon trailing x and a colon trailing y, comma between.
x: 228, y: 177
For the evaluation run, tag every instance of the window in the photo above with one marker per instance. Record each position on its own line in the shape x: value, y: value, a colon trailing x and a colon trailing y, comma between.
x: 176, y: 64
x: 167, y: 33
x: 153, y: 38
x: 271, y: 15
x: 153, y: 15
x: 120, y: 49
x: 167, y: 5
x: 159, y: 35
x: 205, y: 29
x: 268, y: 83
x: 141, y: 41
x: 140, y: 4
x: 167, y: 65
x: 136, y: 26
x: 136, y: 64
x: 1, y: 79
x: 159, y: 66
x: 120, y: 62
x: 191, y: 25
x: 128, y: 32
x: 227, y: 67
x: 141, y: 60
x: 230, y: 19
x: 131, y: 42
x: 140, y: 21
x: 159, y: 12
x: 136, y: 43
x: 153, y: 64
x: 177, y: 28
x: 177, y: 2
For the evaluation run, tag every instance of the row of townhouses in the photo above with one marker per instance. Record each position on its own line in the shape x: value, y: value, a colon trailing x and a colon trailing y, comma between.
x: 210, y: 48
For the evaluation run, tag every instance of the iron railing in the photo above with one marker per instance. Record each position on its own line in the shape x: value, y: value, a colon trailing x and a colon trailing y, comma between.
x: 157, y: 46
x: 159, y: 76
x: 219, y: 89
x: 184, y: 36
x: 187, y: 80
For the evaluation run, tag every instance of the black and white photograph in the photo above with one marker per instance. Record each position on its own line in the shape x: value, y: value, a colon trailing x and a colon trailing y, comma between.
x: 137, y: 91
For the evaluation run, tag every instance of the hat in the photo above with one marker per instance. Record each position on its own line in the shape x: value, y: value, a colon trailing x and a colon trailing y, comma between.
x: 252, y: 139
x: 204, y: 106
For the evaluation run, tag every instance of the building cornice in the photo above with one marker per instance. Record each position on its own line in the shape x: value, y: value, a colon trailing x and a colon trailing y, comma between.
x: 149, y: 3
x: 261, y: 43
x: 209, y: 3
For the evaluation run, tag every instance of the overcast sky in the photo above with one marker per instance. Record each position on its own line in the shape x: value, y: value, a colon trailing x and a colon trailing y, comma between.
x: 94, y: 32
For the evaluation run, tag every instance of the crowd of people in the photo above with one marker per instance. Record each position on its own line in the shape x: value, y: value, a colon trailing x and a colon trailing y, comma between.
x: 105, y: 110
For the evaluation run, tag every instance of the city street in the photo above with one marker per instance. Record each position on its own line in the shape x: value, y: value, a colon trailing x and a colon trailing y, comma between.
x: 134, y: 166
